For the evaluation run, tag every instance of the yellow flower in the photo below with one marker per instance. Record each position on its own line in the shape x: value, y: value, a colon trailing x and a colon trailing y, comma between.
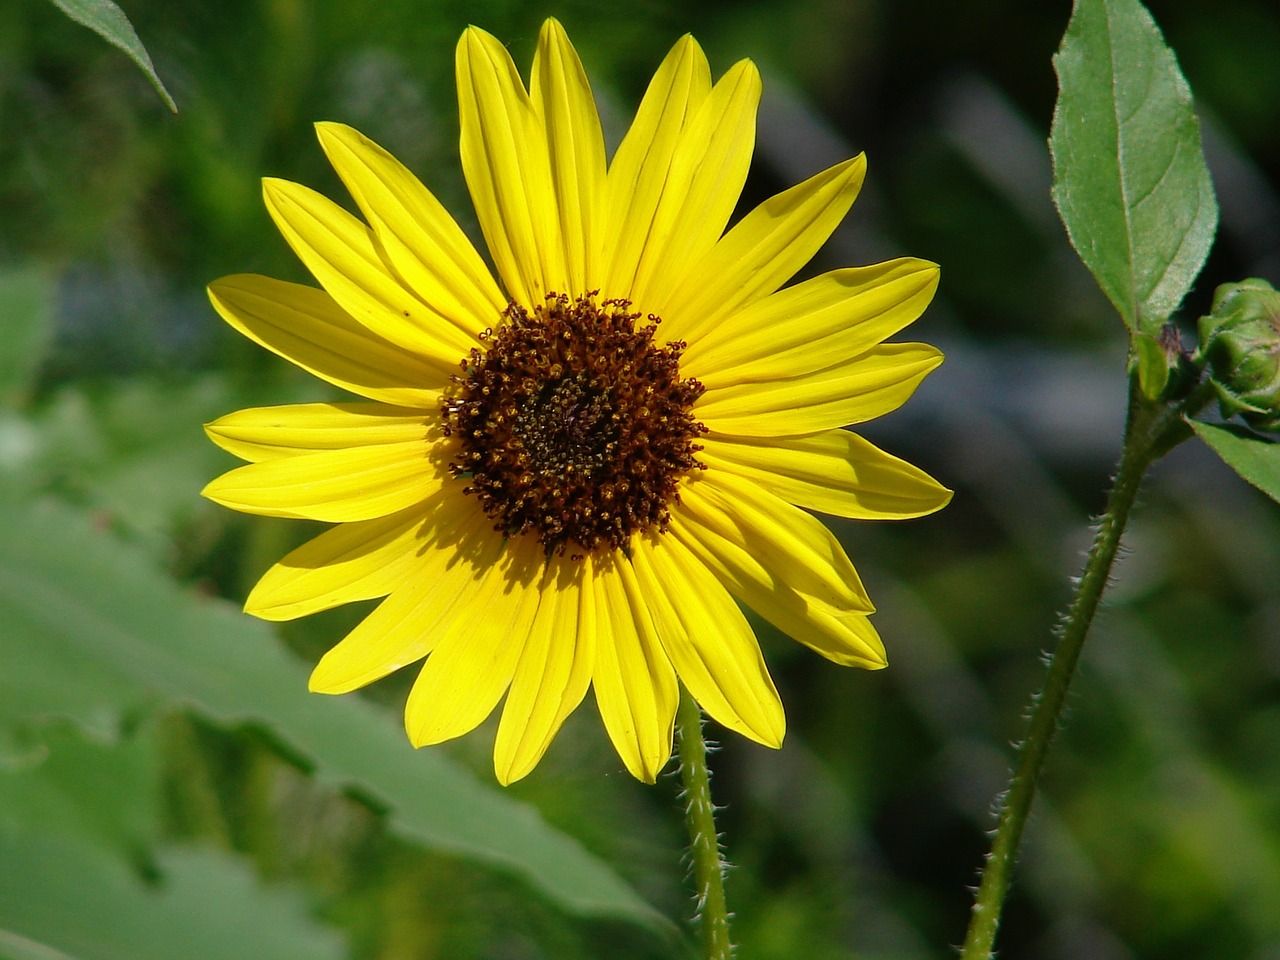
x: 562, y: 477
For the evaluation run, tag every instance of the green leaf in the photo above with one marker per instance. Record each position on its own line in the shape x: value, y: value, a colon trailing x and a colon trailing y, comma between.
x: 128, y: 449
x: 109, y: 22
x: 93, y: 631
x: 75, y: 813
x: 1253, y: 456
x: 63, y: 901
x: 71, y: 785
x: 1130, y: 180
x: 26, y: 328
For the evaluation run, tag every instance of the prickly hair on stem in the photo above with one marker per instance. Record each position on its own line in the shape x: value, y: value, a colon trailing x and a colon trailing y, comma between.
x: 706, y: 857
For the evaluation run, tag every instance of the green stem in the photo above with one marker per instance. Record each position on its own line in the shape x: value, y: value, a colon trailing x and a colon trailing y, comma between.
x: 704, y: 841
x: 1149, y: 434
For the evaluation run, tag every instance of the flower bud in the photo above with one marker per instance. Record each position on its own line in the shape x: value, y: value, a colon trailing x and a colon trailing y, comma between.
x: 1165, y: 370
x: 1240, y: 341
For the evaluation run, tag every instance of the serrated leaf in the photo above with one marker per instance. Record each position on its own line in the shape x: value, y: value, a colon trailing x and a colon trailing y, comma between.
x: 109, y: 22
x: 60, y: 900
x: 92, y: 631
x: 26, y: 328
x: 1253, y: 456
x: 1130, y: 180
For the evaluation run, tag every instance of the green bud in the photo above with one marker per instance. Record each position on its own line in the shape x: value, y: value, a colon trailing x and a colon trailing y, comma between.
x: 1240, y: 341
x: 1165, y: 371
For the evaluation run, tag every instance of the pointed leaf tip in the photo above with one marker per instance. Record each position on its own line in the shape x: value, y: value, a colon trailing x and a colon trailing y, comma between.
x: 1130, y: 180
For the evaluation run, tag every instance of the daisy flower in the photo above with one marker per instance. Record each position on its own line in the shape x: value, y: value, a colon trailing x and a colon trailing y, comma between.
x: 568, y: 471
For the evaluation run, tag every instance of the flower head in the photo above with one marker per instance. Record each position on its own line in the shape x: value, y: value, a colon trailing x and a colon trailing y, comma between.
x: 1240, y: 339
x: 561, y: 478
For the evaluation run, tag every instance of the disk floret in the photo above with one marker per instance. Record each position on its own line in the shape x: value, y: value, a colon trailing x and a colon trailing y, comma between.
x: 573, y: 425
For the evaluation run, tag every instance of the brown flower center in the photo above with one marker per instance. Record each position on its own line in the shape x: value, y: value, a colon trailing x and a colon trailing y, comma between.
x: 573, y: 425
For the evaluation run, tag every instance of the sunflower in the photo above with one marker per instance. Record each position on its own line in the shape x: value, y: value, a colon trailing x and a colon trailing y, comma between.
x: 567, y: 472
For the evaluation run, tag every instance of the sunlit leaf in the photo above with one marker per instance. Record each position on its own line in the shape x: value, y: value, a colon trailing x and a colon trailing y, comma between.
x: 1254, y: 457
x: 108, y: 21
x: 61, y: 900
x: 1130, y: 179
x: 93, y: 631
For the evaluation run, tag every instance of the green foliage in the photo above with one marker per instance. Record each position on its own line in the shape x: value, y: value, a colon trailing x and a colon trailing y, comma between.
x: 1130, y: 179
x: 1254, y: 457
x: 93, y: 633
x: 99, y: 793
x: 131, y: 452
x: 78, y: 817
x: 64, y: 900
x: 108, y: 21
x: 858, y: 838
x: 1164, y: 370
x: 26, y: 294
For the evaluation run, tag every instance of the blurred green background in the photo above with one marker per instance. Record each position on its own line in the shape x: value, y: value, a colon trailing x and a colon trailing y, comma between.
x: 1157, y: 833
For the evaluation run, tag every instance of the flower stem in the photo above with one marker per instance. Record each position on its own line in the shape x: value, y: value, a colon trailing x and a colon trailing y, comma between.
x: 1151, y: 432
x: 704, y: 842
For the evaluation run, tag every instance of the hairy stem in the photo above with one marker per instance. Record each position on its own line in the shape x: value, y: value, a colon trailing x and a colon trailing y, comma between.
x: 1150, y: 433
x: 704, y: 842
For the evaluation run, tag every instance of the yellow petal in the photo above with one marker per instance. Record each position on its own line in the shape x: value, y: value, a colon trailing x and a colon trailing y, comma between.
x: 505, y: 162
x: 343, y: 254
x: 835, y: 472
x: 792, y: 545
x: 553, y: 673
x: 476, y: 655
x: 709, y: 641
x: 352, y: 561
x: 356, y: 483
x: 842, y: 636
x: 705, y: 179
x: 762, y: 251
x: 456, y: 547
x: 561, y: 96
x: 861, y: 389
x: 848, y: 639
x: 812, y: 325
x: 307, y: 328
x: 422, y: 241
x: 634, y: 682
x: 640, y: 168
x: 264, y: 433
